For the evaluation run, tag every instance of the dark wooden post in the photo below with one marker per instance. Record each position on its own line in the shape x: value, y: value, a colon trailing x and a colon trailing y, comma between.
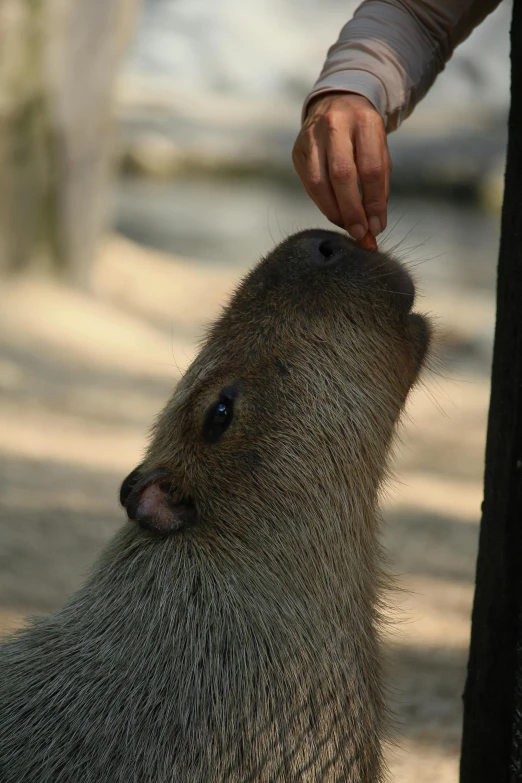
x: 492, y: 736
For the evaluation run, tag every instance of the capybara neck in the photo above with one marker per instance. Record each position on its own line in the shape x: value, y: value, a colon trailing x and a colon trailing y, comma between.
x: 230, y: 631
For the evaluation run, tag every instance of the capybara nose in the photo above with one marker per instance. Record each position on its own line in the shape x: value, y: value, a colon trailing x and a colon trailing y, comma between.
x: 328, y: 250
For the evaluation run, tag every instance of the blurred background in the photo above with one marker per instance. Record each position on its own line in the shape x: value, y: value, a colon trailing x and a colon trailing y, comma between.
x: 145, y: 164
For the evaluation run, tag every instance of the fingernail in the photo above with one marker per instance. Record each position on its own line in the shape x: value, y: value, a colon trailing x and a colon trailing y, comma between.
x: 374, y: 225
x: 357, y: 231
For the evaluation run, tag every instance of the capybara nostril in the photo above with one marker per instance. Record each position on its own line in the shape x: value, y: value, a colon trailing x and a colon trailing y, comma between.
x: 329, y: 252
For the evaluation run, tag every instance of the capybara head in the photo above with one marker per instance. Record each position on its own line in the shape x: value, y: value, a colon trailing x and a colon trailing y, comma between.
x: 292, y: 400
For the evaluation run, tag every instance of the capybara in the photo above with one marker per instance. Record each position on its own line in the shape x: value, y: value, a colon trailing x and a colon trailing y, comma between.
x: 230, y: 631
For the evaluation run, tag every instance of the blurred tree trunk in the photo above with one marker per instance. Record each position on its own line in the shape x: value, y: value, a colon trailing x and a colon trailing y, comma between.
x: 492, y: 736
x: 58, y: 66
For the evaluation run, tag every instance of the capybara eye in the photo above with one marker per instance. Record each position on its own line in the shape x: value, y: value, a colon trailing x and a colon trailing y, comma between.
x: 218, y: 419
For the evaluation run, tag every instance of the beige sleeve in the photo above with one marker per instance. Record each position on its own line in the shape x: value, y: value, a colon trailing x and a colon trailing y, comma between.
x: 392, y: 51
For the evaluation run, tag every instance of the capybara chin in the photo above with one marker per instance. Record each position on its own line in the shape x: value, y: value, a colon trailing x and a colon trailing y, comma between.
x: 230, y: 631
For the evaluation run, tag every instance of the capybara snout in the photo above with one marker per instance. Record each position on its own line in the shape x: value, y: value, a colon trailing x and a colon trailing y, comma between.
x: 324, y: 259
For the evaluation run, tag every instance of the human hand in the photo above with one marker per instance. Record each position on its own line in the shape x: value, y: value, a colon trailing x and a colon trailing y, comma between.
x: 342, y: 140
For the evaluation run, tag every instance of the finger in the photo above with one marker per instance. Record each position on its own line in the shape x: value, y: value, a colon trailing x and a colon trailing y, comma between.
x: 373, y: 167
x: 342, y: 172
x: 310, y: 163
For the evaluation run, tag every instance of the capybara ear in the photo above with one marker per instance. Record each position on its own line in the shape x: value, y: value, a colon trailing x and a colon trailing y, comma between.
x: 153, y: 501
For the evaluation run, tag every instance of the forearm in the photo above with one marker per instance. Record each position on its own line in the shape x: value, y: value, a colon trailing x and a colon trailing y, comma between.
x: 392, y: 51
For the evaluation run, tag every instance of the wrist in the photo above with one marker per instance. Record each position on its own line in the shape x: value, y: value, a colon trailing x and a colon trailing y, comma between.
x: 350, y: 82
x: 341, y: 98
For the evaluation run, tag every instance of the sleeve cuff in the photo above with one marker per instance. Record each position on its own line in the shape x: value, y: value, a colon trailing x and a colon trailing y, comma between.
x: 360, y: 82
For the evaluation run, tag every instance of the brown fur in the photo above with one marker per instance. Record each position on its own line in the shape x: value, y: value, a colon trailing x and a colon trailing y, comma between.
x: 231, y: 631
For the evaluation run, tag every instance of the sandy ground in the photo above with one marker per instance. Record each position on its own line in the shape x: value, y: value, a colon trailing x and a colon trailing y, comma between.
x: 81, y: 379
